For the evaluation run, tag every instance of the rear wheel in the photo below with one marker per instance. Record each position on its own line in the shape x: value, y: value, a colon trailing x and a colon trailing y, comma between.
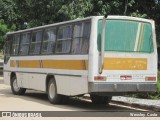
x: 15, y: 88
x: 53, y: 96
x: 96, y: 99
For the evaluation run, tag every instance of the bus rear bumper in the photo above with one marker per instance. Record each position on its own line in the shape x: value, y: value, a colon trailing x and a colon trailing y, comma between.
x: 121, y: 87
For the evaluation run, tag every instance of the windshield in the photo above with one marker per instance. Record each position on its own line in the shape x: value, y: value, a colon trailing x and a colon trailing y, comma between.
x: 126, y: 36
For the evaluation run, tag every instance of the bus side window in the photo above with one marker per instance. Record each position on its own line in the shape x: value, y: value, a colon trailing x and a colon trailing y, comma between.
x: 49, y: 39
x: 36, y: 42
x: 64, y: 37
x: 24, y: 44
x: 15, y: 44
x: 86, y: 37
x: 81, y: 36
x: 77, y: 39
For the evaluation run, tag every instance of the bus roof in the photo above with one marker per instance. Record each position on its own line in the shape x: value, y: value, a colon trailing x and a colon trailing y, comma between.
x: 81, y: 19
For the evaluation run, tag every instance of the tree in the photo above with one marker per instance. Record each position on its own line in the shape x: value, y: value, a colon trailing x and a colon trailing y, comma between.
x: 8, y: 12
x: 3, y: 31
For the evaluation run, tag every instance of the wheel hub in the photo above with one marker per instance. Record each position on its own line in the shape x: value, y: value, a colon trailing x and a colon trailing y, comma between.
x: 15, y: 86
x: 52, y: 90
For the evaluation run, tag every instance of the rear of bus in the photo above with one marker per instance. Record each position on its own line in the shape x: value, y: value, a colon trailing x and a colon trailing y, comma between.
x: 129, y: 60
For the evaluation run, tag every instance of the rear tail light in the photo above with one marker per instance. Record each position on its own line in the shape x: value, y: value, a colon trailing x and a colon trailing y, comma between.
x: 100, y: 78
x: 150, y: 78
x: 126, y: 77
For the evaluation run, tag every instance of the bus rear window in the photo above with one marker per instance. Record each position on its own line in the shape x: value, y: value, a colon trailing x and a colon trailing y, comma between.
x: 126, y: 36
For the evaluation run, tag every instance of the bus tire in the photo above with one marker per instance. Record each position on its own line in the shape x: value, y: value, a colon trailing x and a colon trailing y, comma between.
x: 53, y: 96
x: 14, y: 87
x: 96, y: 99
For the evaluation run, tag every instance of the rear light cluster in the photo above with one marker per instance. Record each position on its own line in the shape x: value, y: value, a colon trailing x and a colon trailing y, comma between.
x: 150, y: 78
x: 100, y: 78
x: 125, y: 77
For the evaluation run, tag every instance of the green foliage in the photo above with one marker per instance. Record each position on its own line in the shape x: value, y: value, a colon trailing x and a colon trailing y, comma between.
x: 138, y: 14
x: 76, y: 9
x: 3, y: 31
x: 9, y: 12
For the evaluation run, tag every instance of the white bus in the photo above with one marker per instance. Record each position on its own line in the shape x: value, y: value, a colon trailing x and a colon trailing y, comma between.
x: 96, y: 55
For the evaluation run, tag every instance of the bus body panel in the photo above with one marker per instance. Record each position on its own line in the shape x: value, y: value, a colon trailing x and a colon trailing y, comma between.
x: 6, y: 75
x: 77, y: 85
x: 69, y: 80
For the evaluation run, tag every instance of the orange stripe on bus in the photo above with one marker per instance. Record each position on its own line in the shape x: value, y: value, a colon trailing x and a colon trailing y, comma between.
x: 64, y: 64
x: 54, y: 64
x: 12, y: 63
x: 125, y: 64
x: 29, y: 63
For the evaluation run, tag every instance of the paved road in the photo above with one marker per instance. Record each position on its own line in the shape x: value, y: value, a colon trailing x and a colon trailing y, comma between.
x: 37, y: 101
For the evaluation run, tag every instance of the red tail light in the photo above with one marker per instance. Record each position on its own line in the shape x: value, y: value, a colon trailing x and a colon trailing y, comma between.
x: 150, y: 78
x: 100, y: 78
